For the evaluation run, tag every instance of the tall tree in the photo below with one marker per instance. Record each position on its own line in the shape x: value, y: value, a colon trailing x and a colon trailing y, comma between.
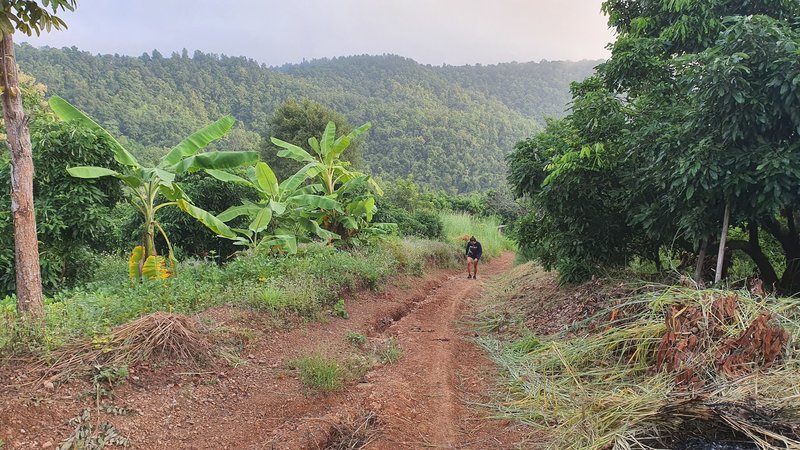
x: 297, y: 121
x: 693, y: 119
x: 26, y: 16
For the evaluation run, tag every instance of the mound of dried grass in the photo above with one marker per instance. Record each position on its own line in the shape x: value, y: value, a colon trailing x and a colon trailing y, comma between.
x: 354, y: 433
x: 672, y: 365
x: 157, y: 335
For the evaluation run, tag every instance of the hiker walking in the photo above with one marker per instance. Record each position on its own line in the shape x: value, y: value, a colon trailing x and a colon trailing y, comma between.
x: 474, y: 252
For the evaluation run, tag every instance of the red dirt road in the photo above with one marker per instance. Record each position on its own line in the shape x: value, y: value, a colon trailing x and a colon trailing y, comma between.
x: 417, y: 402
x: 420, y: 400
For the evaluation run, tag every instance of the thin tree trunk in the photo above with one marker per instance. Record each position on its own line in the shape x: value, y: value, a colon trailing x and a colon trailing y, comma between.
x: 698, y: 270
x: 721, y: 253
x: 29, y: 279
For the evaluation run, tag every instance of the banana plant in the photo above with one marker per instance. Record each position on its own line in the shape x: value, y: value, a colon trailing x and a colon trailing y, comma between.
x: 151, y: 189
x: 284, y: 211
x: 352, y: 189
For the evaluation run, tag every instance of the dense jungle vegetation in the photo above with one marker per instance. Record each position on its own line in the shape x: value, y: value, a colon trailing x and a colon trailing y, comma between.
x: 437, y: 124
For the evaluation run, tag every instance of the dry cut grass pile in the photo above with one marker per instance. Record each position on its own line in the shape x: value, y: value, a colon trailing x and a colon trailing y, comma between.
x: 157, y: 335
x: 664, y: 368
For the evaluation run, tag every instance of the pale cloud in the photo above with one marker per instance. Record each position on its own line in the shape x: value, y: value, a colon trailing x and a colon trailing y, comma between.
x: 276, y: 32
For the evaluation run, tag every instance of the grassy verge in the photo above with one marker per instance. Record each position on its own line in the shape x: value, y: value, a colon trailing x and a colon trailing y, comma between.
x: 307, y: 284
x: 675, y: 367
x: 458, y: 225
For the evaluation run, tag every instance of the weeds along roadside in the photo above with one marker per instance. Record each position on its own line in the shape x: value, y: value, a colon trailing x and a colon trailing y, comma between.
x: 663, y: 367
x: 307, y: 284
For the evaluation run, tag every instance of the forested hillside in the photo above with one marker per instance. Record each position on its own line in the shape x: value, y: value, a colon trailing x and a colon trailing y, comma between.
x: 449, y: 127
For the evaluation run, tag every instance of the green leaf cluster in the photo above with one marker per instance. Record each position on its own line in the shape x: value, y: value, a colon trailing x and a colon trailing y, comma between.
x: 152, y: 188
x: 29, y: 16
x: 696, y: 109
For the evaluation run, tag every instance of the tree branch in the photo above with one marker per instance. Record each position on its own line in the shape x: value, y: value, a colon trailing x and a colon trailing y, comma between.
x: 765, y: 269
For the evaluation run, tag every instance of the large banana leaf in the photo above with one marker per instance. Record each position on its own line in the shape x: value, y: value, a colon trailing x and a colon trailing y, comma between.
x: 290, y: 185
x: 206, y: 218
x: 314, y: 143
x: 66, y: 112
x: 134, y: 261
x: 375, y: 187
x: 197, y: 141
x: 313, y: 227
x: 233, y: 212
x: 91, y: 172
x: 286, y: 242
x: 353, y: 135
x: 352, y: 180
x: 266, y: 180
x: 339, y: 146
x: 215, y: 160
x: 151, y: 173
x: 316, y: 202
x: 328, y: 137
x: 292, y: 151
x: 229, y: 177
x: 261, y: 221
x: 172, y: 192
x: 315, y: 188
x: 155, y: 268
x: 364, y: 207
x: 350, y: 223
x: 277, y: 207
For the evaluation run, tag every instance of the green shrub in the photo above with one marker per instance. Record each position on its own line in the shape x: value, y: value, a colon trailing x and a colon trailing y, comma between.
x: 356, y: 338
x: 340, y: 310
x: 319, y: 372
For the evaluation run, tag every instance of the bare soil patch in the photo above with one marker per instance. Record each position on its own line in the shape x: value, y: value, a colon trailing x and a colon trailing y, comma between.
x: 251, y: 399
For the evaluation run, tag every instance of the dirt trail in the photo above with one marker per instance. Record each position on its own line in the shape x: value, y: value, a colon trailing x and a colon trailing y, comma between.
x: 418, y: 402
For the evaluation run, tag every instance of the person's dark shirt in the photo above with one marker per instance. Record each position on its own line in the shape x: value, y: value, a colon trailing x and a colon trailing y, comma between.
x: 474, y: 249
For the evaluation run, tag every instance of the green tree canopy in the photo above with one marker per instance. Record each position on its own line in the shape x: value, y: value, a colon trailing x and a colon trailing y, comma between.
x: 294, y: 122
x: 696, y: 110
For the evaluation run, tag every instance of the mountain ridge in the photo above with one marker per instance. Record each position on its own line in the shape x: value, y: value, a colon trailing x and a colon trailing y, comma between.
x: 441, y: 125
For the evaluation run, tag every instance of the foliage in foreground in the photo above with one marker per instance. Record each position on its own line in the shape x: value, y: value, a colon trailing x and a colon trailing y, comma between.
x: 643, y: 382
x: 306, y: 284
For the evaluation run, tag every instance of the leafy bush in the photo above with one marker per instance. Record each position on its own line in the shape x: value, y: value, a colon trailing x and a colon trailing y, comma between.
x: 424, y: 223
x: 73, y: 216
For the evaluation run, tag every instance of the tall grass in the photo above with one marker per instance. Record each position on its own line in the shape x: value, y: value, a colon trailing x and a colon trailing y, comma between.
x: 493, y: 241
x: 307, y: 284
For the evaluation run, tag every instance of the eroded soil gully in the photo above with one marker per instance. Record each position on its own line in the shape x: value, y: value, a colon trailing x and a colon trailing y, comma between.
x: 261, y: 404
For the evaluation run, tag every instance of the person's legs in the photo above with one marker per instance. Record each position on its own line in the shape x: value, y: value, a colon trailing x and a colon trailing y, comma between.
x: 470, y: 264
x: 475, y: 268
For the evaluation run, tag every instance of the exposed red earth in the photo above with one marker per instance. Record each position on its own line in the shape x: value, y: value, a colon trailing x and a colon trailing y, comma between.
x: 427, y: 399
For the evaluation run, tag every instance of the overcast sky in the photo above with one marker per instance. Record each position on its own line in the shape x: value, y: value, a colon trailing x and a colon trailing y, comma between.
x: 287, y: 31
